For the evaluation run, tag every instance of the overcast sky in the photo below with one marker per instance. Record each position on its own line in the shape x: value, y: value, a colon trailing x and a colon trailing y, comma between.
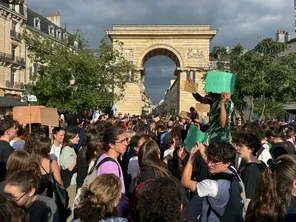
x: 244, y: 21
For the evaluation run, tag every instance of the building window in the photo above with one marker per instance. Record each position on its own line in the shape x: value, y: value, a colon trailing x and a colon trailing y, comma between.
x: 65, y: 38
x: 51, y: 30
x: 13, y: 6
x: 13, y: 50
x: 12, y: 74
x: 37, y: 23
x: 14, y: 26
x: 191, y: 75
x: 59, y: 34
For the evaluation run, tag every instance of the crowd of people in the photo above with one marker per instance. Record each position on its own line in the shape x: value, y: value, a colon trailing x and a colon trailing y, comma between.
x: 133, y: 168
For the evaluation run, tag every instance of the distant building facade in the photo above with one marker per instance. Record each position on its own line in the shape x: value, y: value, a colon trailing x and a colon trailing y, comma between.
x: 16, y: 69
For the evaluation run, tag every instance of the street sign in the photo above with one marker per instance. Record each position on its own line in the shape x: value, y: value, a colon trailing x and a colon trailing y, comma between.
x: 32, y: 98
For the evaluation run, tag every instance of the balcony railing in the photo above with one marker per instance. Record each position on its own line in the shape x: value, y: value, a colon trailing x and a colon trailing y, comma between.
x: 15, y: 85
x: 15, y: 35
x: 12, y: 59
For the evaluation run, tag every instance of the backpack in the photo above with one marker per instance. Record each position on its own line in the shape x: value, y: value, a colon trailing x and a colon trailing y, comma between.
x: 133, y: 200
x: 91, y: 176
x: 236, y: 206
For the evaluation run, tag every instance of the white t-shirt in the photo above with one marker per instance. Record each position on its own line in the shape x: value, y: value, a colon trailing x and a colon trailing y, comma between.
x: 265, y: 155
x: 168, y: 152
x: 133, y: 167
x: 55, y: 153
x: 218, y: 194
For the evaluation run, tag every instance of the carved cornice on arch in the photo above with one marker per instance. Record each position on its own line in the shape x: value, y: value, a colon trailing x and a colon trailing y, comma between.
x: 160, y: 49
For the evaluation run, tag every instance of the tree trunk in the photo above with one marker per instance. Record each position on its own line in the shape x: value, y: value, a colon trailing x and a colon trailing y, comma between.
x: 262, y: 115
x: 252, y: 108
x: 247, y: 112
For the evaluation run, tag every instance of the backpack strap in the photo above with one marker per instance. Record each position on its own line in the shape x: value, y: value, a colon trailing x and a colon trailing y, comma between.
x: 94, y: 167
x: 212, y: 209
x: 142, y: 184
x: 260, y: 151
x: 106, y: 160
x: 219, y: 176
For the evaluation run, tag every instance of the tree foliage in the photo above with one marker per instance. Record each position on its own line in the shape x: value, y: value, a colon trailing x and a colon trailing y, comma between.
x: 265, y: 79
x: 72, y: 79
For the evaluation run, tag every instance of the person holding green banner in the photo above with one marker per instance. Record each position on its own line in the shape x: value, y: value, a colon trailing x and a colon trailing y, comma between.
x: 220, y: 117
x: 219, y: 86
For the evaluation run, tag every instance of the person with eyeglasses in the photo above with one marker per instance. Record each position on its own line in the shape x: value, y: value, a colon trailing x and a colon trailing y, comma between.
x: 214, y: 192
x: 115, y: 142
x: 22, y: 185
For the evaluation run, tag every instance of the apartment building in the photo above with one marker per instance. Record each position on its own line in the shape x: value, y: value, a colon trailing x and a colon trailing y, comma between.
x: 16, y: 68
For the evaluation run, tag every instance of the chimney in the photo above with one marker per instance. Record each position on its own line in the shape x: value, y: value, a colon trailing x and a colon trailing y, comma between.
x: 280, y: 36
x: 55, y: 18
x: 287, y: 37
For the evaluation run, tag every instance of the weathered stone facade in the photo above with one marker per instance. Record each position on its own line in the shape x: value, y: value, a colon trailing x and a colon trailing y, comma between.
x: 12, y: 49
x: 187, y: 45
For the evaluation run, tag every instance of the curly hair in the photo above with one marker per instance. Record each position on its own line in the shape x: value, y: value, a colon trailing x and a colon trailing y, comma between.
x: 31, y: 140
x: 250, y: 140
x: 100, y: 199
x: 273, y: 192
x: 160, y: 202
x: 255, y: 128
x: 220, y: 152
x: 10, y: 211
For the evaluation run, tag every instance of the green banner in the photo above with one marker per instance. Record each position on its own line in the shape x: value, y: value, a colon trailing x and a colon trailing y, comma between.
x: 219, y: 82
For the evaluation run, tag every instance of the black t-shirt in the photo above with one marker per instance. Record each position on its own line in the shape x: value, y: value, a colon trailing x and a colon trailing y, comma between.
x: 281, y: 148
x: 5, y: 151
x: 291, y: 215
x: 250, y: 176
x: 44, y: 209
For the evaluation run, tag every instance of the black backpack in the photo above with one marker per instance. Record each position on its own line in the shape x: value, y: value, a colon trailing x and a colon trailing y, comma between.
x: 234, y: 211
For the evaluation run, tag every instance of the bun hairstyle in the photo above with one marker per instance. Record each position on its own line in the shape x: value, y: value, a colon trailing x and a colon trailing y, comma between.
x: 99, y: 201
x: 273, y: 192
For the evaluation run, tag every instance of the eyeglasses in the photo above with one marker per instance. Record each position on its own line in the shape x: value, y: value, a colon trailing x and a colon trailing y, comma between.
x: 214, y: 164
x: 17, y: 199
x: 122, y: 141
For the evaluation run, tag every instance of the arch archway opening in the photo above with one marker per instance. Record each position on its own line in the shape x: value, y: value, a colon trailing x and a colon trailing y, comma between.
x: 159, y: 76
x: 161, y: 52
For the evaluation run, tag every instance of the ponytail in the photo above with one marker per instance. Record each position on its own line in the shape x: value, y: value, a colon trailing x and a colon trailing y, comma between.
x: 273, y: 192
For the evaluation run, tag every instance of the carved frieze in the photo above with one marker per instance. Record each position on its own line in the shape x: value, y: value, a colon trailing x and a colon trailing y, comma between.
x: 195, y: 54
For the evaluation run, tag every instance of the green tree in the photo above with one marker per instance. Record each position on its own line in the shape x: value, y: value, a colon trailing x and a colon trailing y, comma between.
x: 264, y: 78
x: 72, y: 79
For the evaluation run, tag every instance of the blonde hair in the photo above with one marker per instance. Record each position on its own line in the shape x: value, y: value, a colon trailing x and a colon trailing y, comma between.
x: 100, y: 199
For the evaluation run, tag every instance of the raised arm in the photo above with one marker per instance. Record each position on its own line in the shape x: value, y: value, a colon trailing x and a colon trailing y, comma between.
x: 201, y: 99
x: 223, y: 113
x: 187, y: 173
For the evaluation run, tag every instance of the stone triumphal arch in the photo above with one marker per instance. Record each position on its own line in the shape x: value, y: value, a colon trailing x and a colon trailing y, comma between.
x: 187, y: 45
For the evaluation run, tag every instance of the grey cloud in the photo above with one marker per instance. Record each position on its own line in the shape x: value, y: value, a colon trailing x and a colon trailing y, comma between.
x: 245, y: 22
